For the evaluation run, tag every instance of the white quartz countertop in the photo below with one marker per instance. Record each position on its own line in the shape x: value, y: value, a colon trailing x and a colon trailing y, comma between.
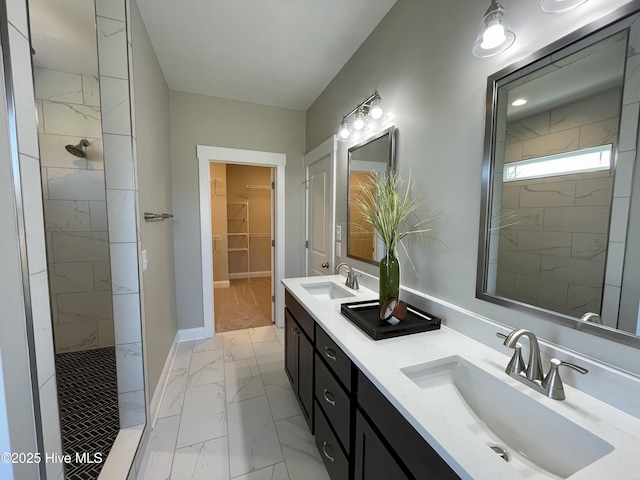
x: 382, y: 360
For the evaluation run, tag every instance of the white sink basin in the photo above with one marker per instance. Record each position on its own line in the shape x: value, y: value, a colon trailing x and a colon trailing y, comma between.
x: 327, y: 291
x: 536, y: 440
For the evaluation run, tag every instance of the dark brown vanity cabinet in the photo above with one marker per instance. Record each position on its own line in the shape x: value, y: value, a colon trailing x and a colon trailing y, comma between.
x: 373, y: 460
x: 298, y: 355
x: 388, y: 427
x: 360, y: 435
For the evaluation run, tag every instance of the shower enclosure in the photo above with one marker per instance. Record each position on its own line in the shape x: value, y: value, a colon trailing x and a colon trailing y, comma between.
x: 75, y: 214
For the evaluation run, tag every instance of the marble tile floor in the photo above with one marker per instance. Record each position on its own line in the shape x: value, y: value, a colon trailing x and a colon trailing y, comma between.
x: 229, y: 413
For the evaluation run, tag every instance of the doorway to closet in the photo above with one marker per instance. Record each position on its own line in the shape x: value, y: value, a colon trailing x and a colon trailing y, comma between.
x: 241, y: 237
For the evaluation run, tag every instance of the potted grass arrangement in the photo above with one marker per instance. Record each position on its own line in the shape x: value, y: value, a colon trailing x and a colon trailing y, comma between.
x: 388, y: 205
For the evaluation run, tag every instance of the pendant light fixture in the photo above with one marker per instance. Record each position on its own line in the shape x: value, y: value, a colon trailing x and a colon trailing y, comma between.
x: 357, y: 119
x: 495, y: 35
x: 559, y: 6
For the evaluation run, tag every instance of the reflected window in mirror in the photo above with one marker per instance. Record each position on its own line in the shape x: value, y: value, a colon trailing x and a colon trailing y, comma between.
x: 375, y: 154
x: 560, y: 150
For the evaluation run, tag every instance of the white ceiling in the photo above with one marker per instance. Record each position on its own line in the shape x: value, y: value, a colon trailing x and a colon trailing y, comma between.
x: 274, y: 52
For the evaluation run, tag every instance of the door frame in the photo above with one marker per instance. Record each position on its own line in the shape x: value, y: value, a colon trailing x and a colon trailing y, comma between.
x: 327, y: 148
x: 208, y: 154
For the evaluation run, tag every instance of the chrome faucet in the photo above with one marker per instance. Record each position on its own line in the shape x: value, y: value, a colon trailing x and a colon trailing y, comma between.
x: 352, y: 277
x: 533, y: 375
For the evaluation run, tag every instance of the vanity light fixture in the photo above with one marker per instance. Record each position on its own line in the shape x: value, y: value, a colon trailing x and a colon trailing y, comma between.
x: 495, y: 35
x: 559, y: 6
x: 519, y: 102
x: 368, y: 111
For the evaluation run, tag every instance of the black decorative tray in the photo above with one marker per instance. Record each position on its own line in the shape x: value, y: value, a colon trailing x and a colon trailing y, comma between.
x: 366, y: 315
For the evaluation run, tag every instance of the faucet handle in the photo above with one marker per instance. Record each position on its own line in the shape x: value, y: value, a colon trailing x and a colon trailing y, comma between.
x: 516, y: 364
x: 356, y: 286
x: 552, y: 383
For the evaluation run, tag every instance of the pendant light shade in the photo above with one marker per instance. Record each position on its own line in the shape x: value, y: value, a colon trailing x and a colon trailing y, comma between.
x: 495, y: 34
x: 559, y: 6
x: 343, y: 131
x: 358, y: 120
x: 375, y: 108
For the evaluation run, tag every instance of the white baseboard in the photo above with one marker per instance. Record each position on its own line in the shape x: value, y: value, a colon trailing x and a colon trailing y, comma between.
x: 234, y: 276
x: 188, y: 334
x: 156, y: 400
x: 221, y: 284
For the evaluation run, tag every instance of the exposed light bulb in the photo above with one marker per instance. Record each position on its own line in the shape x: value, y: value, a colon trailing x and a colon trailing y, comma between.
x: 493, y: 36
x: 375, y: 109
x: 343, y: 131
x: 519, y: 102
x: 358, y: 120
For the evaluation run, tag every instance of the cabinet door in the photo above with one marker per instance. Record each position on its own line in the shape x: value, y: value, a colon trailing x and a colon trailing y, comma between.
x: 373, y: 461
x: 305, y: 377
x: 291, y: 350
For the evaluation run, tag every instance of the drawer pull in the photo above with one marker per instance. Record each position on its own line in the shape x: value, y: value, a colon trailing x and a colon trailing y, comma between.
x: 324, y: 450
x: 329, y: 400
x: 330, y: 353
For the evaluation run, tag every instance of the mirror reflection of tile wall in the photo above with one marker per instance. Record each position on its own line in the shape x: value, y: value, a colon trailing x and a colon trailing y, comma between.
x: 555, y: 257
x: 75, y: 210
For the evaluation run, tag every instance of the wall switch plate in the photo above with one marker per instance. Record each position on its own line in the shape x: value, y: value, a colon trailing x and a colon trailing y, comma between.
x: 338, y: 249
x: 145, y: 262
x: 338, y: 232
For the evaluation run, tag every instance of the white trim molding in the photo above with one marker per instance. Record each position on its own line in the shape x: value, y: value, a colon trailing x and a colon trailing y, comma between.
x: 188, y: 334
x: 161, y: 387
x: 206, y: 155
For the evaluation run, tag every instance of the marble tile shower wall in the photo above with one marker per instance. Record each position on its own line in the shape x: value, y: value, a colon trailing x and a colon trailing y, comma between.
x: 74, y: 210
x: 114, y: 63
x: 555, y: 257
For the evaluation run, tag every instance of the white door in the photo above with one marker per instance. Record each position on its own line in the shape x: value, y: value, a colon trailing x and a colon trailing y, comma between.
x: 320, y: 217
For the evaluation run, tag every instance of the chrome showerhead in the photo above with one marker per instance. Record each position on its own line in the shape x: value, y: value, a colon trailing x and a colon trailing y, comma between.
x: 78, y: 150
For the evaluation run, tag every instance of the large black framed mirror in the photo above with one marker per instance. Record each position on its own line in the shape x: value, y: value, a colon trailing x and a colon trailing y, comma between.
x: 560, y: 218
x: 375, y: 154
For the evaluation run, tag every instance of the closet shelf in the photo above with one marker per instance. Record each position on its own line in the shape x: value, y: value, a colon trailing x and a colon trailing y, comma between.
x: 238, y: 250
x: 239, y: 234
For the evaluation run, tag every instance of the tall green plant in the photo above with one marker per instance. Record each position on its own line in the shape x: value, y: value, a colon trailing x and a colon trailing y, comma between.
x: 388, y: 205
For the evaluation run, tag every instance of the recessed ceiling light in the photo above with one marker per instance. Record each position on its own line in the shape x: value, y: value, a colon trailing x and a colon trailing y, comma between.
x: 519, y: 102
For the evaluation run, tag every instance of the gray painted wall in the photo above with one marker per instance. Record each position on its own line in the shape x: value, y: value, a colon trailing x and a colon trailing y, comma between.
x: 204, y: 120
x: 434, y: 90
x: 154, y: 183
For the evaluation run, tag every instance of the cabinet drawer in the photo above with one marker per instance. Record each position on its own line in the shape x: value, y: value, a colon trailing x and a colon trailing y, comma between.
x: 300, y: 314
x: 421, y: 460
x: 335, y: 402
x: 337, y: 360
x: 333, y: 457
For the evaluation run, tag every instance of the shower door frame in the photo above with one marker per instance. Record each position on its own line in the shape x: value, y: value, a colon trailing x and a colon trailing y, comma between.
x: 210, y: 154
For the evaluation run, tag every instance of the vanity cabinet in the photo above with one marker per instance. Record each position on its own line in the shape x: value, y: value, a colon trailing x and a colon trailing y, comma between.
x: 402, y: 440
x: 373, y: 460
x: 359, y: 434
x: 298, y: 355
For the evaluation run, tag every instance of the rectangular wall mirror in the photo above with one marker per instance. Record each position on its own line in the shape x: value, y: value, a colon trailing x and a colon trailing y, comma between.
x: 560, y: 220
x: 375, y: 154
